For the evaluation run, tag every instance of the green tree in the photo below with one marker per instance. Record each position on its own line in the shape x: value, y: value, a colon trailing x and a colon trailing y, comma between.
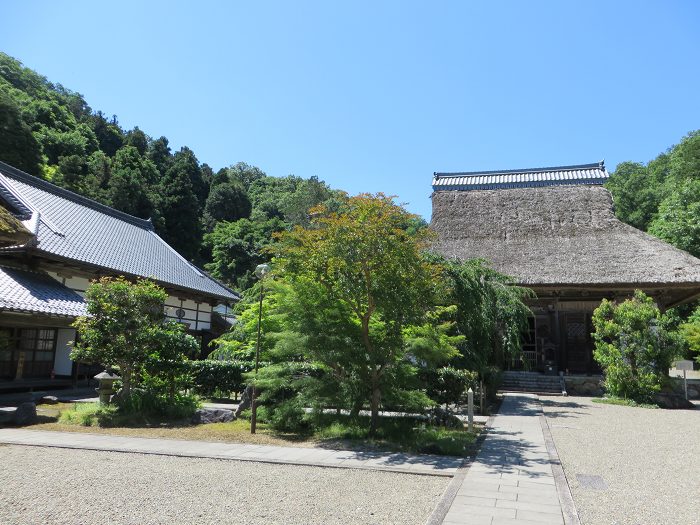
x: 678, y: 220
x: 637, y: 193
x: 100, y: 167
x: 109, y: 135
x: 238, y: 247
x: 690, y: 331
x: 159, y: 153
x: 207, y: 174
x: 56, y: 144
x: 448, y: 385
x: 185, y: 163
x: 243, y: 173
x: 220, y: 177
x: 74, y: 173
x: 361, y: 281
x: 138, y: 139
x: 123, y: 325
x: 635, y: 346
x: 684, y: 158
x: 662, y: 197
x: 18, y: 147
x: 128, y: 187
x: 179, y: 209
x: 307, y: 194
x: 226, y: 202
x: 491, y: 313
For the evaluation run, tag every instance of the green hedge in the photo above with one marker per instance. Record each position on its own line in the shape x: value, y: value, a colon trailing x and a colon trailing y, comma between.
x: 209, y: 377
x: 448, y: 385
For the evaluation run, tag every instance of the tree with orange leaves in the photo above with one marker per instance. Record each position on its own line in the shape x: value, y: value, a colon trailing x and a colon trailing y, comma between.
x: 366, y: 294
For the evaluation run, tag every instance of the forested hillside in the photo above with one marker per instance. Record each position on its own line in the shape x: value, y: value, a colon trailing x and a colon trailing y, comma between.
x: 220, y: 219
x: 663, y: 196
x: 223, y: 219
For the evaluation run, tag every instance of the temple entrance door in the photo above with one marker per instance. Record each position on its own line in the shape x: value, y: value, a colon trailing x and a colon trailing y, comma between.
x: 578, y: 343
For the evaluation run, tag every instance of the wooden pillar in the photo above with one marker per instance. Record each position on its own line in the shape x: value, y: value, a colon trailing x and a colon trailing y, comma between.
x: 557, y: 336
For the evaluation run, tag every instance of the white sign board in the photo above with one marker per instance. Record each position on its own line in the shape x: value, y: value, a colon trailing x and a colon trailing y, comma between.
x: 684, y: 365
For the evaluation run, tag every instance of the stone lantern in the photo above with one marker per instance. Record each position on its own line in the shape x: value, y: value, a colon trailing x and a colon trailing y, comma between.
x: 106, y: 386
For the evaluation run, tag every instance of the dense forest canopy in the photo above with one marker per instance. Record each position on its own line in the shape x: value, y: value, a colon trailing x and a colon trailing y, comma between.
x: 224, y: 219
x: 663, y: 196
x: 220, y: 219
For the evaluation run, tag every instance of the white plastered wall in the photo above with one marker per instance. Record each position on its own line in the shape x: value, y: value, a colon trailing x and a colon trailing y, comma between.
x: 63, y: 366
x: 196, y: 315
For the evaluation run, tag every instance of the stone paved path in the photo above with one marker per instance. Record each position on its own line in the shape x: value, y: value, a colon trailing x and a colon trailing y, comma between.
x: 511, y: 481
x: 392, y: 462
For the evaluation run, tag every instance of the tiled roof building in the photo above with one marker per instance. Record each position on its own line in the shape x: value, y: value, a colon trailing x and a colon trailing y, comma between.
x: 62, y: 241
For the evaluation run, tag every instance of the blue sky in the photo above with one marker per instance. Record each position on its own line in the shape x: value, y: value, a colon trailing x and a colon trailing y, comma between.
x: 376, y: 96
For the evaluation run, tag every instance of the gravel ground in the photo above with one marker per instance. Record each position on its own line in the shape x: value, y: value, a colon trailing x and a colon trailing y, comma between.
x: 649, y: 460
x: 59, y: 486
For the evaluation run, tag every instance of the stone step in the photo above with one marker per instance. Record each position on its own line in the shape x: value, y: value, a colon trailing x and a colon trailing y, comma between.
x: 540, y: 385
x: 531, y: 387
x: 532, y: 378
x: 536, y: 392
x: 549, y: 385
x: 531, y: 382
x: 533, y: 373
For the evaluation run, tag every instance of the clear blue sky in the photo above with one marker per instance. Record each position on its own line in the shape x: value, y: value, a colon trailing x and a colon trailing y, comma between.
x: 376, y: 96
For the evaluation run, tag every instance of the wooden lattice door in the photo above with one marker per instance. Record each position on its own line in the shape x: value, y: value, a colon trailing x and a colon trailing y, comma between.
x: 579, y: 345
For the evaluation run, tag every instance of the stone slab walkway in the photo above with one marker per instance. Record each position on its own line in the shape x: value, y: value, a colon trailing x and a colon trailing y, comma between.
x: 511, y: 481
x: 424, y: 464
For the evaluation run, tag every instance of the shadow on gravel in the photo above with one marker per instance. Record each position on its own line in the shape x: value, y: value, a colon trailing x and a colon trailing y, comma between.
x: 563, y: 409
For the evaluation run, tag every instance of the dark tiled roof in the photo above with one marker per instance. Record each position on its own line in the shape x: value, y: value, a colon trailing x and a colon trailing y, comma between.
x: 527, y: 178
x: 74, y: 227
x: 32, y: 292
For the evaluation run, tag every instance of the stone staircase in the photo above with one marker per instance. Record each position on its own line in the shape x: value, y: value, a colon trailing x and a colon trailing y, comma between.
x: 530, y: 382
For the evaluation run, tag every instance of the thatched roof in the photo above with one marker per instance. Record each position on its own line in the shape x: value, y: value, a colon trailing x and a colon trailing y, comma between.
x: 12, y: 231
x: 556, y: 235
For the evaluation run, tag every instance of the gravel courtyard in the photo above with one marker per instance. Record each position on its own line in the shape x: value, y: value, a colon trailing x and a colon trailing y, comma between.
x: 649, y: 461
x: 61, y: 486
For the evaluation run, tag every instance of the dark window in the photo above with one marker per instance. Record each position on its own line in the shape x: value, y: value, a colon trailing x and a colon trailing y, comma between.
x: 38, y: 346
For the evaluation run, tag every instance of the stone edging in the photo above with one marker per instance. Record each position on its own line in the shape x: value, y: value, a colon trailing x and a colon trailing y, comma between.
x: 568, y: 508
x: 443, y: 506
x: 395, y: 470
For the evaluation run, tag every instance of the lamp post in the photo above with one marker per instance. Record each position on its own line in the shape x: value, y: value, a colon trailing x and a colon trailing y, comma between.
x: 261, y: 270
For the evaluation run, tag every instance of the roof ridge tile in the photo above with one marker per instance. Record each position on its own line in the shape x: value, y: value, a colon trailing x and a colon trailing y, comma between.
x: 14, y: 173
x: 594, y: 165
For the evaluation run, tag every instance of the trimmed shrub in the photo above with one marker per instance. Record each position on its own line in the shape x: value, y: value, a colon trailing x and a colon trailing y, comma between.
x: 209, y: 377
x: 151, y: 404
x: 447, y: 385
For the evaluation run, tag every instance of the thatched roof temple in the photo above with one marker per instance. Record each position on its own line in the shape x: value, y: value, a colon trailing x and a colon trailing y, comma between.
x: 555, y: 228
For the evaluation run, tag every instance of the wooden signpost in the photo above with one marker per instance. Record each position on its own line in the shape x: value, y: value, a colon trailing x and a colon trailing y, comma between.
x: 685, y: 365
